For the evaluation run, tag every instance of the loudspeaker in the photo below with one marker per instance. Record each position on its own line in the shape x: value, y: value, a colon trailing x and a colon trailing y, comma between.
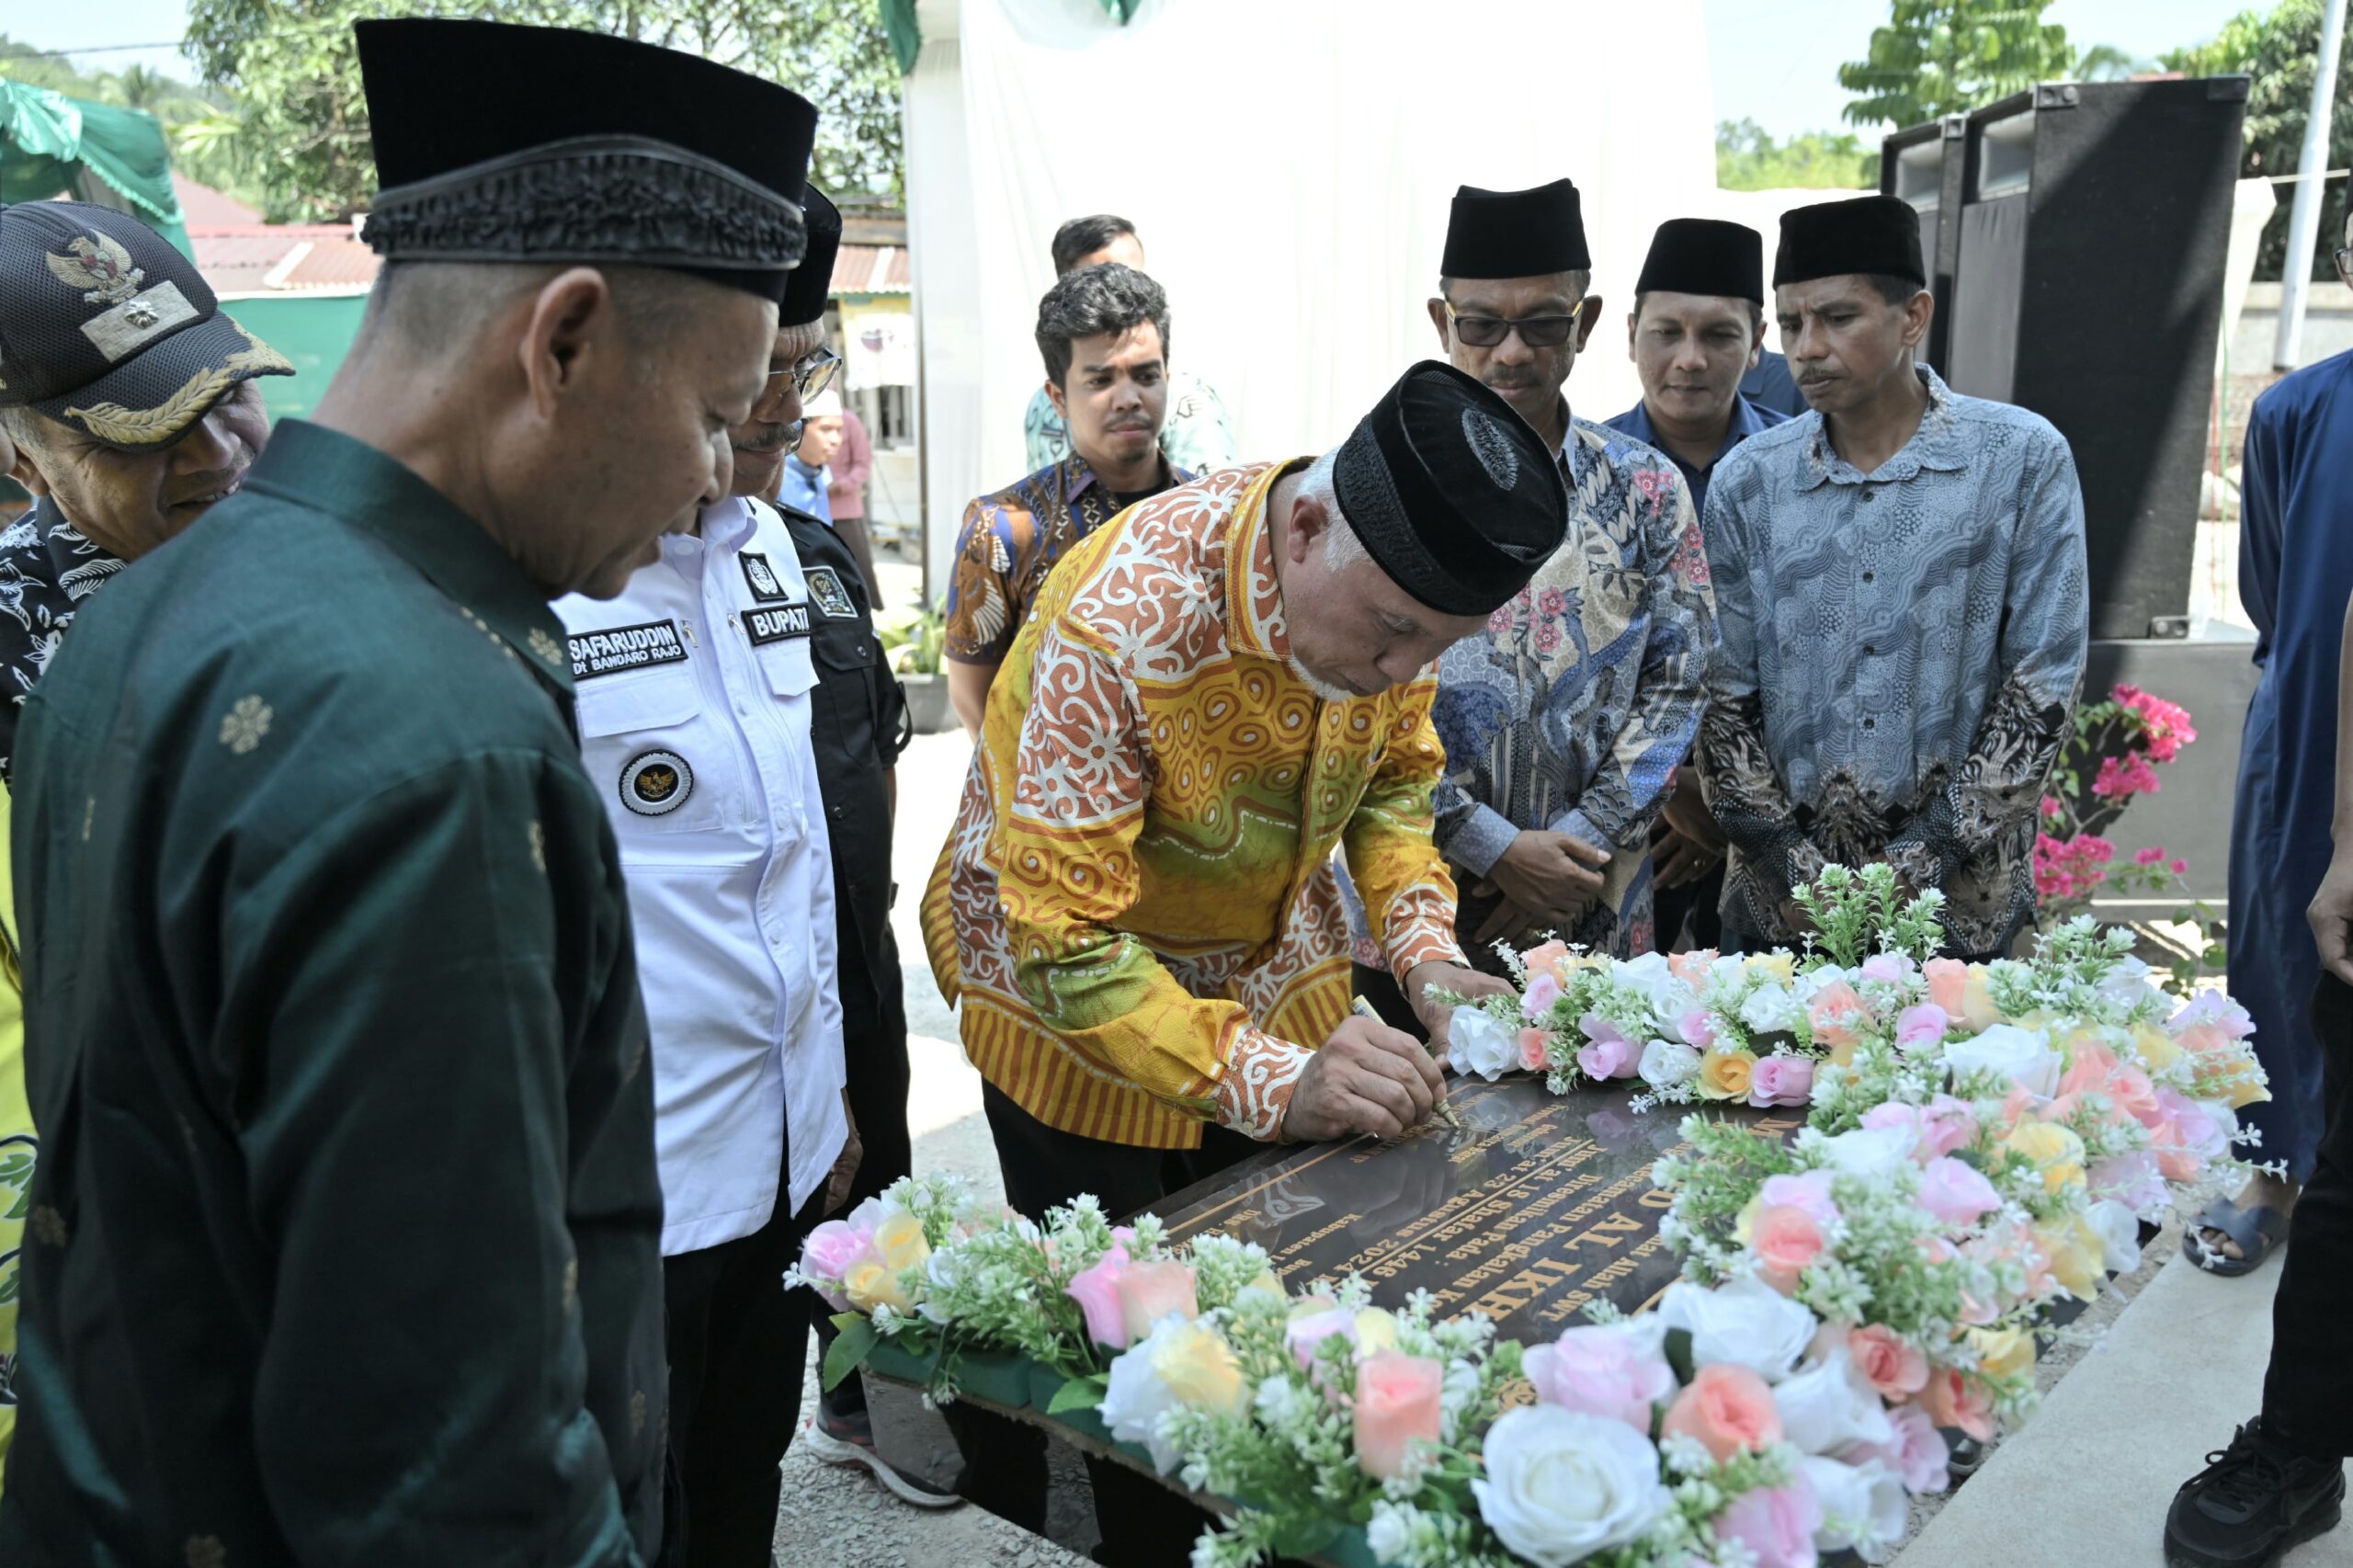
x: 1928, y: 165
x: 2086, y: 249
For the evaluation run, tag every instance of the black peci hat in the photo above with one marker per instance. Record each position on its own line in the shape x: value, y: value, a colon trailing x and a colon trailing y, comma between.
x: 107, y: 327
x: 812, y: 283
x: 1514, y: 233
x: 1874, y: 234
x: 502, y: 143
x: 1705, y: 255
x: 1454, y: 495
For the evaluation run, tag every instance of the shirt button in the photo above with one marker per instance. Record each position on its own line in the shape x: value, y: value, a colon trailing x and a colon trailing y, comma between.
x: 1870, y: 723
x: 1870, y: 576
x: 1867, y: 494
x: 1871, y: 647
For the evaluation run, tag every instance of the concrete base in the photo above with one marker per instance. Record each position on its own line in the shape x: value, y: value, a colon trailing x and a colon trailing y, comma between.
x: 2088, y: 1480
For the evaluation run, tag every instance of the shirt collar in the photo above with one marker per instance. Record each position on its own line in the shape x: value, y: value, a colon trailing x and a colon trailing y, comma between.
x: 1744, y: 421
x: 61, y: 542
x: 1937, y: 445
x: 1253, y: 596
x: 326, y: 470
x: 727, y: 525
x: 1071, y: 476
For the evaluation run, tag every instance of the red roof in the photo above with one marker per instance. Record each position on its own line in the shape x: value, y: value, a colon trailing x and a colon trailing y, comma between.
x: 259, y: 259
x: 871, y: 269
x: 201, y: 207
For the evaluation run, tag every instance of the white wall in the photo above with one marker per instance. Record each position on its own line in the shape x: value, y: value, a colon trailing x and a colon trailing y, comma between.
x: 1289, y: 163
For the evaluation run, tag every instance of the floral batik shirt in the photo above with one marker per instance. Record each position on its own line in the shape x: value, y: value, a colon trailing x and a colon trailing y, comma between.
x: 1573, y: 709
x: 1009, y: 541
x: 1136, y: 909
x: 47, y: 568
x: 1902, y: 652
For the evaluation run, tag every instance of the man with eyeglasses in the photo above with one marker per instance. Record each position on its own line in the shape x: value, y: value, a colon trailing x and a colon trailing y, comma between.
x: 2295, y: 575
x: 695, y: 696
x: 1563, y: 721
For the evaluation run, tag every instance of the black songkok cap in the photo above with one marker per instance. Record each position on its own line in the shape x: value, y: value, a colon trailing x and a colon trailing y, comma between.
x: 504, y: 143
x: 1514, y: 233
x: 812, y: 281
x: 1452, y: 492
x: 1874, y: 234
x: 1704, y: 256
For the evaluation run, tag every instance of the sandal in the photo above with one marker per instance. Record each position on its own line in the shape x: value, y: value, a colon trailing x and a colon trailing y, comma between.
x: 2256, y: 1231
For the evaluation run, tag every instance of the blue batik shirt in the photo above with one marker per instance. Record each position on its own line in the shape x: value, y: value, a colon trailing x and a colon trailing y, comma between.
x: 1902, y: 652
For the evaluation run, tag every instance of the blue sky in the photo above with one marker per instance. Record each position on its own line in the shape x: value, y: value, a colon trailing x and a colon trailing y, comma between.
x: 1775, y: 62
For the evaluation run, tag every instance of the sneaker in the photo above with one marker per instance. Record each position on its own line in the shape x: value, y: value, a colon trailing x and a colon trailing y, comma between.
x: 2251, y: 1503
x: 849, y: 1439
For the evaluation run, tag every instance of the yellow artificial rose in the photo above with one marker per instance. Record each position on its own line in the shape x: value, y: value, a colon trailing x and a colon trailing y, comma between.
x: 1977, y: 1010
x: 2157, y: 1048
x: 1724, y: 1075
x: 870, y: 1284
x: 2235, y: 1084
x: 2075, y: 1254
x: 1267, y: 1283
x: 1779, y: 966
x: 2003, y: 1352
x: 1199, y: 1368
x: 1376, y: 1330
x: 2056, y: 1151
x: 899, y: 1243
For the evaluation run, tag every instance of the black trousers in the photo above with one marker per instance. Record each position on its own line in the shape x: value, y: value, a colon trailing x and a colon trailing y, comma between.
x: 1143, y: 1523
x: 874, y: 1045
x: 1695, y: 905
x: 2308, y: 1393
x: 738, y: 1340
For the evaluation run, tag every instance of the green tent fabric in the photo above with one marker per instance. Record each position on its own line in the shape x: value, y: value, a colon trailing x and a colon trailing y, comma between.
x: 48, y: 140
x: 906, y: 34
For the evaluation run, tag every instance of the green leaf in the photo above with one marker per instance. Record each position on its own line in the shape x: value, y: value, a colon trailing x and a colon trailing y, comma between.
x: 1678, y: 1353
x: 1079, y: 1393
x: 1304, y: 1535
x: 857, y: 1337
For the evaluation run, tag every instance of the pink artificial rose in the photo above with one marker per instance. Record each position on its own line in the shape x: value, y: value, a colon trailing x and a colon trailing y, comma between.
x: 1890, y: 968
x: 1546, y: 960
x: 1894, y: 1368
x: 1948, y: 984
x: 828, y: 1253
x: 1916, y: 1452
x: 1150, y: 1292
x: 1956, y: 1193
x: 1943, y: 1125
x: 1691, y: 968
x: 1397, y: 1401
x: 1534, y: 1054
x: 1308, y: 1330
x: 1837, y: 1015
x: 1536, y: 1004
x: 1953, y: 1400
x: 1096, y: 1291
x: 1612, y: 1057
x: 2197, y: 1131
x: 1725, y: 1408
x: 1809, y: 1193
x: 1920, y: 1027
x: 1777, y: 1524
x: 1697, y: 1030
x: 2132, y: 1180
x: 1603, y: 1369
x: 1785, y: 1242
x: 1782, y: 1080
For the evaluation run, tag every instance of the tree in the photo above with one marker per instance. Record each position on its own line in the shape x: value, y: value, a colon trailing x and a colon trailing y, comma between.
x: 301, y: 122
x: 1940, y: 57
x: 2280, y: 49
x: 1747, y: 158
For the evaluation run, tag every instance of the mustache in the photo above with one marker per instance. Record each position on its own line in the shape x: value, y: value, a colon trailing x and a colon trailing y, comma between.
x: 214, y: 484
x: 781, y: 436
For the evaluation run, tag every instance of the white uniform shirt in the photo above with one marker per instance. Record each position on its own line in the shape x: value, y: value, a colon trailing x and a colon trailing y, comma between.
x: 693, y: 689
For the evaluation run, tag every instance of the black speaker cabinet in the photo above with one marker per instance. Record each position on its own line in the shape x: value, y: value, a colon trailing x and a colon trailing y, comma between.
x: 2086, y: 227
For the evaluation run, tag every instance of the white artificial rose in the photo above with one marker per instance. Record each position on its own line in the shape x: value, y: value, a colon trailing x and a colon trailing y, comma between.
x: 1730, y: 969
x: 1769, y: 1009
x: 2024, y: 1056
x: 1667, y: 1062
x: 1829, y: 1405
x: 1390, y: 1534
x: 1872, y: 1153
x: 1863, y: 1507
x: 1137, y: 1395
x: 1745, y: 1322
x: 1180, y: 1362
x: 2127, y: 981
x: 1561, y: 1484
x: 1651, y: 975
x: 1814, y: 982
x: 1477, y: 1043
x: 2119, y: 1230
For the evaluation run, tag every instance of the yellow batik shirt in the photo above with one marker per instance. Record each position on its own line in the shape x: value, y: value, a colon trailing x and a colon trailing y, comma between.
x: 17, y: 1145
x: 1137, y: 903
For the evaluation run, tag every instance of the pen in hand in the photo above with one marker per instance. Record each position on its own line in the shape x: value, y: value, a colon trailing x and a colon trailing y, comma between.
x: 1443, y: 1111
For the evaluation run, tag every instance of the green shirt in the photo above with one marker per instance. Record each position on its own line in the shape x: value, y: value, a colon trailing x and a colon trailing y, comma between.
x: 344, y: 1242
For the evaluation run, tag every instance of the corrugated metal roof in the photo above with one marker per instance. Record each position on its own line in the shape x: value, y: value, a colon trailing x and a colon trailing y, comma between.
x: 871, y: 269
x: 258, y: 258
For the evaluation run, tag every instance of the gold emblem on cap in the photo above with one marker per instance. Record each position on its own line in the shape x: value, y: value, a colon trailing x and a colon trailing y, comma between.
x: 100, y: 266
x: 143, y: 427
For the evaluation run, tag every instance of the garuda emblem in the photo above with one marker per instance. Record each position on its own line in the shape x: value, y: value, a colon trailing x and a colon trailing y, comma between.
x: 101, y: 266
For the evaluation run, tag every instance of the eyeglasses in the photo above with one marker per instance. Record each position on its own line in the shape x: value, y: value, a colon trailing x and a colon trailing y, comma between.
x: 2345, y: 265
x: 812, y: 374
x: 1537, y: 332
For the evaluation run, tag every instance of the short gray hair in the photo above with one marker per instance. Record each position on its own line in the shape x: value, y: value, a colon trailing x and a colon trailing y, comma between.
x: 1102, y: 301
x: 1342, y: 548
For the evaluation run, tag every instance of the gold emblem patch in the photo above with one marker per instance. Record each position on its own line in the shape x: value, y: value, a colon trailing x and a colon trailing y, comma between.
x: 101, y: 266
x: 657, y: 783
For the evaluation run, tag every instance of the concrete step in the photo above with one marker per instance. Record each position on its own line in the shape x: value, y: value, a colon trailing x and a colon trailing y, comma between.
x: 2086, y: 1483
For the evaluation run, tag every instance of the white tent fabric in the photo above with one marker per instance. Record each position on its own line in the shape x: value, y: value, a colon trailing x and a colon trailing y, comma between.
x: 1288, y: 164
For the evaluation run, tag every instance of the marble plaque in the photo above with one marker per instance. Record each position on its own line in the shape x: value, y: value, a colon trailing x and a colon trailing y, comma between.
x: 1538, y: 1205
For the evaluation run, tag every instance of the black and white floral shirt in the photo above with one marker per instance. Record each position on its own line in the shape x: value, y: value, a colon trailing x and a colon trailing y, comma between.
x: 47, y: 568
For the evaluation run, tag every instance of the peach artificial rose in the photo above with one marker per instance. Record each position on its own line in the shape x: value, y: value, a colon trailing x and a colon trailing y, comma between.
x: 1888, y: 1363
x: 1150, y: 1292
x: 1785, y: 1240
x: 1551, y: 958
x: 1837, y: 1016
x: 1725, y: 1408
x: 1397, y: 1401
x: 1953, y: 1399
